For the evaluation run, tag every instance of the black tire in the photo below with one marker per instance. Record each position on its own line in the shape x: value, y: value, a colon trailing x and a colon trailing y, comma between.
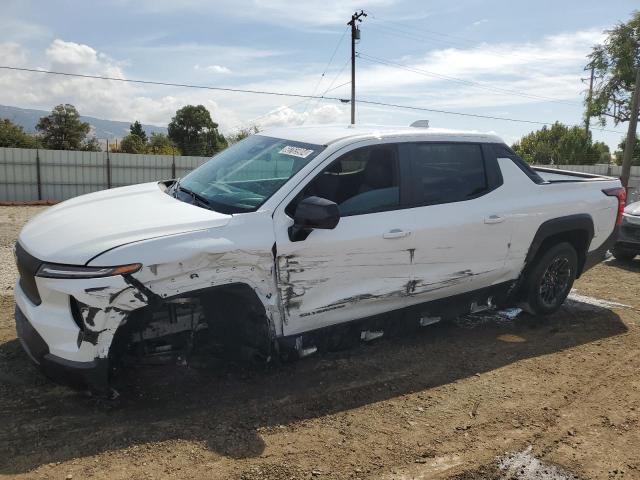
x: 623, y: 255
x: 551, y: 278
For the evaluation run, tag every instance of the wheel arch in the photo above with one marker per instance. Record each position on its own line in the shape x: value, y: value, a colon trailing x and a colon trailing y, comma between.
x: 237, y: 301
x: 577, y: 230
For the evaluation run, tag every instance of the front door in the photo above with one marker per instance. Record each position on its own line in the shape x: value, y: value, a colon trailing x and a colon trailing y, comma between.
x: 363, y: 266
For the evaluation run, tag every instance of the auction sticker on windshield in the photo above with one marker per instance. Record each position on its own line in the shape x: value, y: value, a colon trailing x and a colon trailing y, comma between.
x: 296, y: 151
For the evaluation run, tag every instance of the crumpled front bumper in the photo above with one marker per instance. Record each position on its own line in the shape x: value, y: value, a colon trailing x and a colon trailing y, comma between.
x: 92, y: 375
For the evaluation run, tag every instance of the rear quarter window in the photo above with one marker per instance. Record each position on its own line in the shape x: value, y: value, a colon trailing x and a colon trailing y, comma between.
x: 502, y: 151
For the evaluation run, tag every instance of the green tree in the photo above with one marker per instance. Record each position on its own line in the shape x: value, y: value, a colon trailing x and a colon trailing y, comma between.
x: 604, y: 153
x: 615, y: 62
x: 91, y: 145
x: 12, y: 135
x: 136, y: 129
x: 616, y: 67
x: 160, y: 144
x: 560, y: 144
x: 63, y: 129
x: 132, y: 144
x: 195, y: 133
x: 636, y: 152
x: 242, y: 134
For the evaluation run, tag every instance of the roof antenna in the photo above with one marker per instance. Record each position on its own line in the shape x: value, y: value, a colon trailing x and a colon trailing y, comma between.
x: 420, y: 124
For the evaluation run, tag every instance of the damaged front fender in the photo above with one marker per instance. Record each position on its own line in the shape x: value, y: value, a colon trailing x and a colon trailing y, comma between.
x: 182, y: 295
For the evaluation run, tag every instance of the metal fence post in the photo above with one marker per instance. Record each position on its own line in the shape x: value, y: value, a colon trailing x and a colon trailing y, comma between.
x: 38, y: 178
x: 173, y: 162
x: 108, y: 167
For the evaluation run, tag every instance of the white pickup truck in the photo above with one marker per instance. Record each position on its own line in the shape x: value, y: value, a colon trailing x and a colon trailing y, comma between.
x: 300, y: 239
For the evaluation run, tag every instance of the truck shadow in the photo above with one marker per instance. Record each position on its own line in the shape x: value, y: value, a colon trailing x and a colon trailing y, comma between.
x: 229, y: 408
x: 630, y: 266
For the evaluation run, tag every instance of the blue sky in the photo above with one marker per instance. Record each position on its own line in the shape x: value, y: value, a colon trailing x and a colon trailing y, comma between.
x: 525, y: 57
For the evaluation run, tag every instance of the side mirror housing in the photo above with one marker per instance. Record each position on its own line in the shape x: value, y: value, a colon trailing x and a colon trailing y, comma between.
x: 313, y: 213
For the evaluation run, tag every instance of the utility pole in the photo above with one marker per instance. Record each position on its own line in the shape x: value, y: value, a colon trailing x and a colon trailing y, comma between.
x: 627, y: 158
x: 587, y: 119
x: 355, y: 35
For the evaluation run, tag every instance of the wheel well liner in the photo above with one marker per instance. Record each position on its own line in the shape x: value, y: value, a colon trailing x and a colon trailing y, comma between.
x: 232, y: 302
x: 577, y: 230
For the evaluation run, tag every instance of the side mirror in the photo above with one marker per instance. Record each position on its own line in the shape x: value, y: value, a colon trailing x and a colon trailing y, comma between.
x: 313, y: 213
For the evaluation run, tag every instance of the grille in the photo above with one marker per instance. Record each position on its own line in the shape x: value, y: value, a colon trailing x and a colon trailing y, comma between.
x: 27, y: 267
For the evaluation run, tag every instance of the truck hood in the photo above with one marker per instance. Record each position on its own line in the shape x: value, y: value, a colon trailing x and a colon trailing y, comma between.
x: 74, y: 231
x: 633, y: 209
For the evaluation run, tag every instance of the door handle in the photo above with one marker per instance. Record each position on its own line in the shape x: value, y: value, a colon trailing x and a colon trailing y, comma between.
x: 493, y: 219
x: 396, y: 233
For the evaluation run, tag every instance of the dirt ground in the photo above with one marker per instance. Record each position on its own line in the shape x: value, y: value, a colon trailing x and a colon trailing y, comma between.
x: 460, y: 400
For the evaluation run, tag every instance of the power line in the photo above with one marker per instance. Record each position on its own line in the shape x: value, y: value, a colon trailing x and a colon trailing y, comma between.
x: 285, y: 94
x: 335, y: 50
x: 449, y: 112
x: 403, y: 26
x: 473, y: 44
x: 473, y: 115
x: 163, y: 84
x: 329, y: 88
x: 394, y: 31
x: 471, y: 83
x: 284, y: 107
x: 402, y: 29
x: 336, y: 78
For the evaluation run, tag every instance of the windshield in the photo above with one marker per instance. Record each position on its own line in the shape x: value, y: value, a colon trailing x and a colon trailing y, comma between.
x: 242, y: 177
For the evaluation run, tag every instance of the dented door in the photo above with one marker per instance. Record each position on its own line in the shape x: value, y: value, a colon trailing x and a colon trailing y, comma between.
x: 459, y: 248
x: 462, y: 228
x: 360, y: 268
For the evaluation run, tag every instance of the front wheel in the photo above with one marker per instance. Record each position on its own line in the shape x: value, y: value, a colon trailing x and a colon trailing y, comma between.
x: 551, y: 279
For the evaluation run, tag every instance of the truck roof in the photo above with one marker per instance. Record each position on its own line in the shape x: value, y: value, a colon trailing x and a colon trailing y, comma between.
x: 327, y: 134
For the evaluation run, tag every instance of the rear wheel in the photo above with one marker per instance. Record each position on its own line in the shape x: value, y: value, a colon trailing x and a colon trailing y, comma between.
x: 623, y: 255
x: 551, y: 279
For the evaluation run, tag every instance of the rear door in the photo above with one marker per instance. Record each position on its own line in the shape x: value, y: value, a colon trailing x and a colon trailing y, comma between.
x: 461, y: 231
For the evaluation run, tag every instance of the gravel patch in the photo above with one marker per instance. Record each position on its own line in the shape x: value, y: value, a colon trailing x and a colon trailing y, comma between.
x: 525, y: 466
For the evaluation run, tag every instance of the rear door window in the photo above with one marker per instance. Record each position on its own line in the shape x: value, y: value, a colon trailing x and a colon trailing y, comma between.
x: 446, y: 172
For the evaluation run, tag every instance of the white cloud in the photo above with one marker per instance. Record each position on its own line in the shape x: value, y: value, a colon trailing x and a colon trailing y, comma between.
x: 551, y: 67
x: 217, y: 69
x: 70, y: 53
x: 480, y: 22
x: 213, y: 68
x: 286, y: 116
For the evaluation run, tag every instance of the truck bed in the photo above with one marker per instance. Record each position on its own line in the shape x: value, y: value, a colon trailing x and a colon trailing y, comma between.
x: 554, y: 175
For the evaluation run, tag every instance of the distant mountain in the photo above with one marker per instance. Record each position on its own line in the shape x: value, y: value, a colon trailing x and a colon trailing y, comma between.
x: 101, y: 128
